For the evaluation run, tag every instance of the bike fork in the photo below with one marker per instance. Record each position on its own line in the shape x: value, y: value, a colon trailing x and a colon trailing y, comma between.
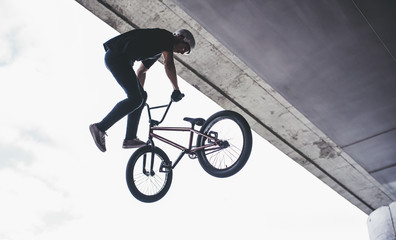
x: 149, y: 172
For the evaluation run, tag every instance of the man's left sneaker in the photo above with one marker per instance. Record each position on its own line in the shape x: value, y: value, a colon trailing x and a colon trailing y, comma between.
x: 133, y: 143
x: 98, y: 136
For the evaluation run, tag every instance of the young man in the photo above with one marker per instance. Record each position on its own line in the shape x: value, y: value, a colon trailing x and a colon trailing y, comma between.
x: 145, y: 45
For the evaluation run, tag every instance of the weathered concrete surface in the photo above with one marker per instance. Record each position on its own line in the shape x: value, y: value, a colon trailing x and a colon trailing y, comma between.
x: 382, y: 223
x: 223, y: 77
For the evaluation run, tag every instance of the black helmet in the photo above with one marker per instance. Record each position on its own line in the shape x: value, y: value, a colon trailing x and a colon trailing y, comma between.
x: 188, y: 38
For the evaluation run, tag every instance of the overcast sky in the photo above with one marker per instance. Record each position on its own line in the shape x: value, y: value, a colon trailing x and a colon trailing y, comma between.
x: 55, y: 183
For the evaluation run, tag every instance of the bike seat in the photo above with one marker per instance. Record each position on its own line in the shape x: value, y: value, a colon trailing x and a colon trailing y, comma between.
x: 195, y: 121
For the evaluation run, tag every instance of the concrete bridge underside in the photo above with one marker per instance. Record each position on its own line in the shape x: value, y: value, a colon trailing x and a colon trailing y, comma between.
x: 316, y: 79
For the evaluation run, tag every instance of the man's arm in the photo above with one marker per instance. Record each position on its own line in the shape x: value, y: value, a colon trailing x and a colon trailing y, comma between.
x: 170, y: 69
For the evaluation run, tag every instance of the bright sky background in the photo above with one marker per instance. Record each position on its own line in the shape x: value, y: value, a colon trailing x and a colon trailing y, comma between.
x: 55, y: 183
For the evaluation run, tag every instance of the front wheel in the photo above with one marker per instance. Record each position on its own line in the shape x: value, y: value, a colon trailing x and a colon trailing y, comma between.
x: 145, y: 179
x: 227, y: 144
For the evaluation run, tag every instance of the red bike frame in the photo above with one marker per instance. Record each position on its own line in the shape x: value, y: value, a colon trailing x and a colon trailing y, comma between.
x: 213, y: 145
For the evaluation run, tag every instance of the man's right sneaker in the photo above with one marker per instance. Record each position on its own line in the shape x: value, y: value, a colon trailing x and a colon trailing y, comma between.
x: 98, y: 136
x: 133, y: 143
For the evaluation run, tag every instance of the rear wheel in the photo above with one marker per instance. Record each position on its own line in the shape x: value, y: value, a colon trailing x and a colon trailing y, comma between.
x: 144, y: 179
x: 233, y: 138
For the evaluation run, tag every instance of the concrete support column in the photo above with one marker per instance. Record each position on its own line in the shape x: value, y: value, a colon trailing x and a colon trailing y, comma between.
x: 382, y: 223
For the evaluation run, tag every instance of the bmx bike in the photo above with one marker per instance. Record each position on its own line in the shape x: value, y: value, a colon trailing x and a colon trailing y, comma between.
x: 223, y: 146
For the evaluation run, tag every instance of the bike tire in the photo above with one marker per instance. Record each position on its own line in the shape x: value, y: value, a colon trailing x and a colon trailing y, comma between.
x: 232, y: 127
x: 144, y: 186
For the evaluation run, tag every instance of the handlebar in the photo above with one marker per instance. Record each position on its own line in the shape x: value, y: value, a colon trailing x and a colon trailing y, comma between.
x: 155, y: 122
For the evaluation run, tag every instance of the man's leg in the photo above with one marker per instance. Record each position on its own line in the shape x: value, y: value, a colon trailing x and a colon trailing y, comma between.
x: 131, y: 140
x: 123, y: 72
x: 133, y: 123
x: 126, y: 77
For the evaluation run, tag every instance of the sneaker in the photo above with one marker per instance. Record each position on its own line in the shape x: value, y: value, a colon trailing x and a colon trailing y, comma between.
x: 98, y: 136
x: 133, y: 143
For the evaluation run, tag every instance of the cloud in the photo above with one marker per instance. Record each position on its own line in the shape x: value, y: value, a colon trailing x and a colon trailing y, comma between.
x: 12, y: 155
x: 10, y: 32
x: 21, y: 146
x: 8, y: 47
x: 31, y: 206
x: 36, y: 135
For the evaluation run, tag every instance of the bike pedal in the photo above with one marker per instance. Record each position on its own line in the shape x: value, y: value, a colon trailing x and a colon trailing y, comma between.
x: 165, y: 168
x: 214, y: 135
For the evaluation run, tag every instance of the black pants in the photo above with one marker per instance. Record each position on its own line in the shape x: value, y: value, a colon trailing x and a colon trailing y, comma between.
x: 122, y: 70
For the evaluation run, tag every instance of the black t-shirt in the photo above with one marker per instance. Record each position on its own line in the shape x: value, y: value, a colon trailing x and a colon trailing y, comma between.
x: 144, y: 45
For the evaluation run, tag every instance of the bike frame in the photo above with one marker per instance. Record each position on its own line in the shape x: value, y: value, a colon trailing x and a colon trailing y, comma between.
x: 213, y: 145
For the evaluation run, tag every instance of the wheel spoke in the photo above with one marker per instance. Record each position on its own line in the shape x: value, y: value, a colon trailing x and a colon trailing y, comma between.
x: 151, y: 186
x: 233, y: 134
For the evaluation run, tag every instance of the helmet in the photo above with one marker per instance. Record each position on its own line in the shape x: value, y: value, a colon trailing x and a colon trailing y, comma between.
x: 188, y: 38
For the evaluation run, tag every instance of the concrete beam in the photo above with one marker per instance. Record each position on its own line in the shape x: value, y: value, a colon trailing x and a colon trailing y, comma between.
x: 382, y: 223
x: 224, y: 78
